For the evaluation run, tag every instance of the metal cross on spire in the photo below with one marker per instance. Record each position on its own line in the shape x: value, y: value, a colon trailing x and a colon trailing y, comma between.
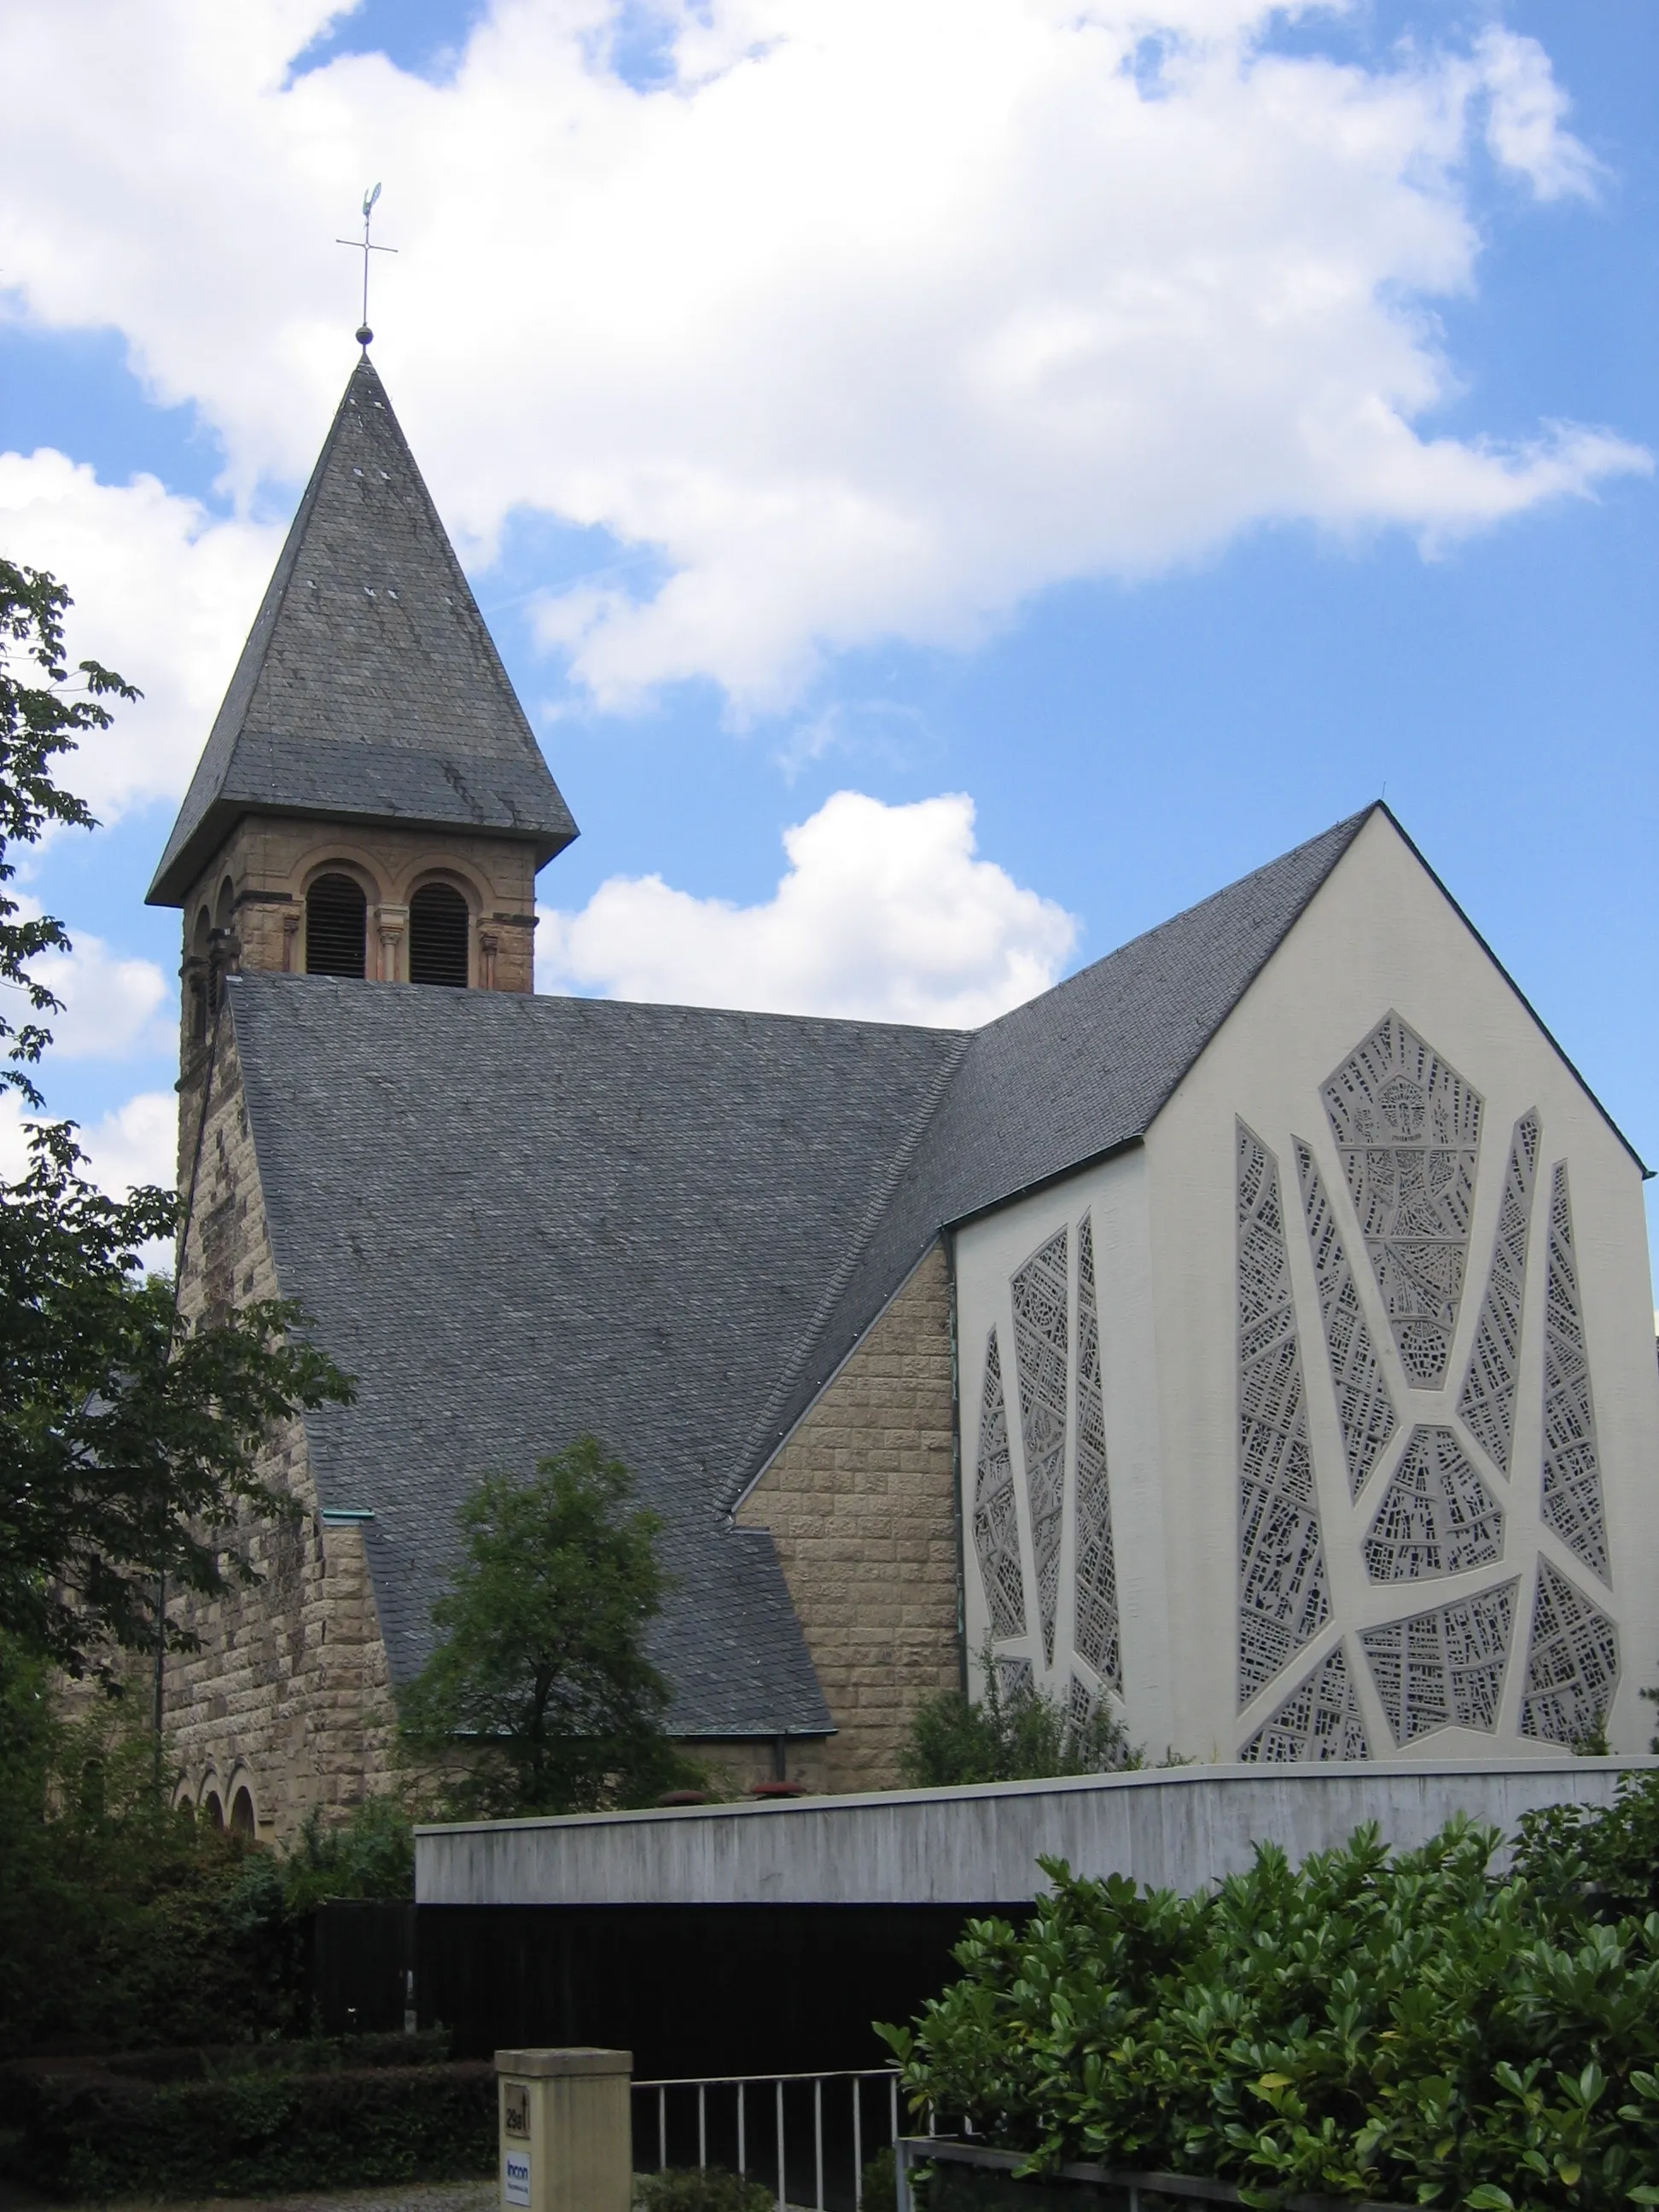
x: 365, y: 245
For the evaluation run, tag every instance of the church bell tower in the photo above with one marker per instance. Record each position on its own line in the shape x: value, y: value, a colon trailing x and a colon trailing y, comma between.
x: 371, y: 802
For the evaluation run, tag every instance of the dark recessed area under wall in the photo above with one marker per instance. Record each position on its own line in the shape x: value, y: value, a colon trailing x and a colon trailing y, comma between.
x: 689, y: 1989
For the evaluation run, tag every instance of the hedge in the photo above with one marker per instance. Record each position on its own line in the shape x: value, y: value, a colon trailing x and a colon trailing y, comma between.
x: 1413, y: 2028
x: 89, y: 2131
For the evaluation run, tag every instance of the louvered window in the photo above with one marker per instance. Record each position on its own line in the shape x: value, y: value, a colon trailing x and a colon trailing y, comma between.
x: 336, y: 927
x: 437, y: 936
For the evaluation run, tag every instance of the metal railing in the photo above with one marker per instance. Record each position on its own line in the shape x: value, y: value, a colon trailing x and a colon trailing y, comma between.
x: 747, y: 2115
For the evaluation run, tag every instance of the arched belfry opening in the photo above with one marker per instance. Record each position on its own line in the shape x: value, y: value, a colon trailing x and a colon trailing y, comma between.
x: 438, y: 920
x: 336, y: 927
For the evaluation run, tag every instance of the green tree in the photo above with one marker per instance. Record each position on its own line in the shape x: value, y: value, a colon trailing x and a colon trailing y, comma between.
x: 1014, y: 1734
x: 539, y: 1697
x: 129, y: 1439
x: 38, y: 721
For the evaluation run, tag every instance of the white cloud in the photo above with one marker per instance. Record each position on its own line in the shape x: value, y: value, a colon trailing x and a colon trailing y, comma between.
x: 136, y: 1143
x: 884, y: 914
x: 163, y: 591
x: 114, y: 1007
x: 1526, y: 119
x: 876, y: 317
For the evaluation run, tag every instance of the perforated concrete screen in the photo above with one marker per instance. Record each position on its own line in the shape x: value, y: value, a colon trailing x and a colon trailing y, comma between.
x: 1283, y: 1600
x: 1293, y: 1434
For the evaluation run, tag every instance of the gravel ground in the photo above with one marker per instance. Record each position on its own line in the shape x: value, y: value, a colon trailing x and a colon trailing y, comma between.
x: 418, y: 2197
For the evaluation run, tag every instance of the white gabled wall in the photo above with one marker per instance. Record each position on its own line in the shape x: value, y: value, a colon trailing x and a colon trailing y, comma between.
x: 1379, y: 936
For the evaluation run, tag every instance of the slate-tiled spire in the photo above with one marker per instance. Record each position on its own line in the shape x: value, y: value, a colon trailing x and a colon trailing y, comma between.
x: 369, y: 687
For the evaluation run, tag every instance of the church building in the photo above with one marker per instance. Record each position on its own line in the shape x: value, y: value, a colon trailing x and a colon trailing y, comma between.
x: 1254, y: 1331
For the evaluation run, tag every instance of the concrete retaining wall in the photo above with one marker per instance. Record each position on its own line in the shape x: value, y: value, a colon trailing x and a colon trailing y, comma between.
x: 1176, y: 1829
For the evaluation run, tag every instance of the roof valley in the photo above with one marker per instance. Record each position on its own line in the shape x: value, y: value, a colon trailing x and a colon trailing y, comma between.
x: 761, y: 1443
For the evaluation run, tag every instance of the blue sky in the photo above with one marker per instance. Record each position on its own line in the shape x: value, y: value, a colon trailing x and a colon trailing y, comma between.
x: 1150, y: 664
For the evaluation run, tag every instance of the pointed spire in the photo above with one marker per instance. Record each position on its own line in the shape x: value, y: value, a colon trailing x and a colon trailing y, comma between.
x: 369, y: 687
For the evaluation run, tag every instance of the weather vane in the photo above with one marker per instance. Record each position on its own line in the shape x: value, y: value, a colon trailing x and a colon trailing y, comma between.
x: 365, y: 245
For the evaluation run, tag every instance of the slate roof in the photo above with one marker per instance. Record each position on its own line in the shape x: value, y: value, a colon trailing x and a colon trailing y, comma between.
x: 369, y: 686
x: 1059, y: 1081
x: 514, y: 1217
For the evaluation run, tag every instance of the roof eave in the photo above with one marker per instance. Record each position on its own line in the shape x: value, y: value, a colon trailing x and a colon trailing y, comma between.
x: 176, y: 873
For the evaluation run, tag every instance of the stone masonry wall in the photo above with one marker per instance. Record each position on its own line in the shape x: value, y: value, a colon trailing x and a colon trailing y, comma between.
x: 289, y: 1695
x: 860, y: 1501
x: 254, y: 895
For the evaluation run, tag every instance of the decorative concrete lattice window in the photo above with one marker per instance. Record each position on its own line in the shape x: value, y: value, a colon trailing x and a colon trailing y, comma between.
x: 1486, y: 1401
x: 1283, y: 1600
x: 1321, y: 1720
x: 1445, y: 1666
x: 1015, y: 1679
x: 1437, y: 1516
x: 1363, y: 1404
x: 1573, y: 1664
x: 1079, y: 1706
x: 1041, y: 1347
x: 996, y: 1519
x: 1095, y: 1634
x: 1573, y: 1466
x: 1407, y: 1128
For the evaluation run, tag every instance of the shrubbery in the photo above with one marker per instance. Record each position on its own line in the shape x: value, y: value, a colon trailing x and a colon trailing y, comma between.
x: 1413, y: 2028
x: 124, y: 1923
x: 121, y: 1922
x: 700, y: 2189
x: 92, y: 2133
x: 1013, y: 1734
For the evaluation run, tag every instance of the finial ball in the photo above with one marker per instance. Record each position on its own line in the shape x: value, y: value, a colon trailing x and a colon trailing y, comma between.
x: 365, y: 336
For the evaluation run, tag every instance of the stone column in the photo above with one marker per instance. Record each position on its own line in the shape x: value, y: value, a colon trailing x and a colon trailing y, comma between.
x: 565, y: 2130
x: 392, y: 922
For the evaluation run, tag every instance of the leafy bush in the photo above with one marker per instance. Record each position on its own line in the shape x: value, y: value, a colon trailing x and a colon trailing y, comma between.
x: 1601, y: 1863
x: 320, y: 2054
x: 878, y: 2191
x: 369, y: 1854
x: 693, y: 2189
x: 1406, y: 2027
x: 123, y: 1922
x: 89, y: 2133
x: 1014, y: 1734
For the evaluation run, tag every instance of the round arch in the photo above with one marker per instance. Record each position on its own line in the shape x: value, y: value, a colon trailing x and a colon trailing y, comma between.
x: 337, y: 922
x: 440, y: 918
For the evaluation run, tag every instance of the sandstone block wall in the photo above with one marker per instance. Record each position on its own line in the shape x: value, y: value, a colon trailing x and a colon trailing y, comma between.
x: 860, y: 1501
x: 255, y: 889
x: 288, y: 1696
